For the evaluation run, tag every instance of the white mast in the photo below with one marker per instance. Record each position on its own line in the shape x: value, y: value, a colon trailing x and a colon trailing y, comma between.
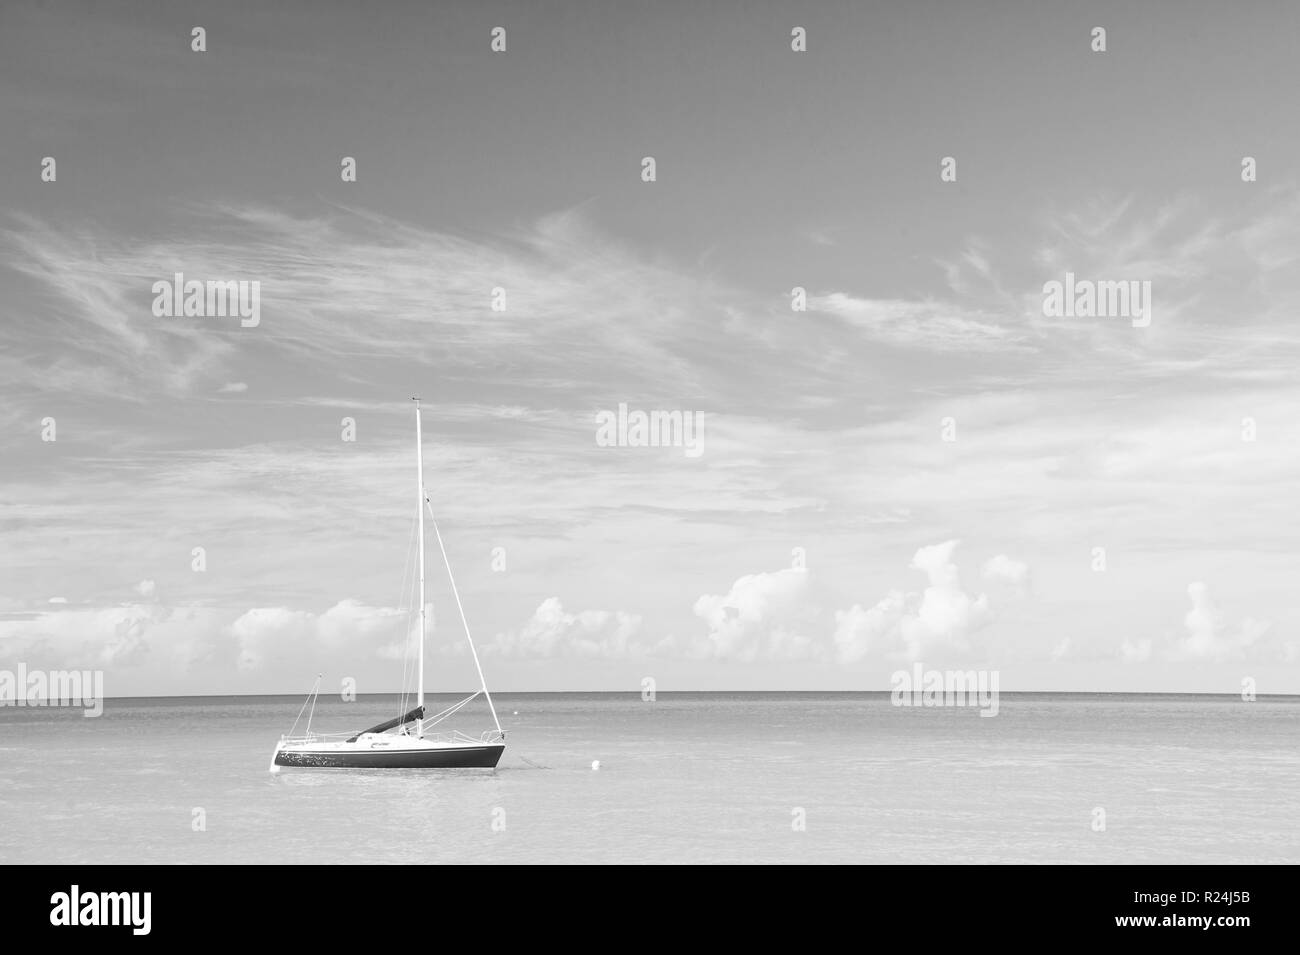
x: 419, y: 483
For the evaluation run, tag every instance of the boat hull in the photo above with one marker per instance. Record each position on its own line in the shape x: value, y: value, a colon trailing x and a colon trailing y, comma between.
x: 449, y: 757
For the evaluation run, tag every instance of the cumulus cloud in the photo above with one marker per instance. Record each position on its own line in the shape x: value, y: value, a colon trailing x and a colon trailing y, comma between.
x: 1007, y: 570
x: 941, y: 618
x: 761, y: 617
x: 126, y: 646
x: 947, y: 615
x: 143, y: 640
x: 260, y: 631
x: 266, y: 633
x: 1207, y: 638
x: 106, y: 637
x: 769, y: 616
x: 1135, y: 651
x: 860, y: 631
x: 554, y: 632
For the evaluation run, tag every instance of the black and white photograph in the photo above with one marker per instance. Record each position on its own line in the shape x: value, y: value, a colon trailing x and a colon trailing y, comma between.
x: 784, y: 432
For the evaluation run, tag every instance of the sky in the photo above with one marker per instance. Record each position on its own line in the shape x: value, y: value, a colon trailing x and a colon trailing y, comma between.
x: 920, y: 466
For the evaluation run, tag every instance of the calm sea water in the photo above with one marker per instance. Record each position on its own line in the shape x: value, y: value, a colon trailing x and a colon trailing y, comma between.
x: 691, y: 777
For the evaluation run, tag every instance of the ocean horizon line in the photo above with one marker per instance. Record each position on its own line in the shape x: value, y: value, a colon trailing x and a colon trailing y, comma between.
x: 712, y: 692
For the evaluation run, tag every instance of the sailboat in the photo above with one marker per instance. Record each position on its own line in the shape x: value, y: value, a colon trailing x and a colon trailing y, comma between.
x: 403, y: 742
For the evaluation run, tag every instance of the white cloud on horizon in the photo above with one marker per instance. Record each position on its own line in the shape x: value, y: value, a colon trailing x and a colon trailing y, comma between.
x: 554, y: 632
x: 860, y: 632
x: 133, y: 635
x: 1006, y: 570
x: 947, y: 615
x: 1136, y: 651
x: 760, y: 617
x: 1207, y: 638
x: 771, y: 616
x: 349, y: 628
